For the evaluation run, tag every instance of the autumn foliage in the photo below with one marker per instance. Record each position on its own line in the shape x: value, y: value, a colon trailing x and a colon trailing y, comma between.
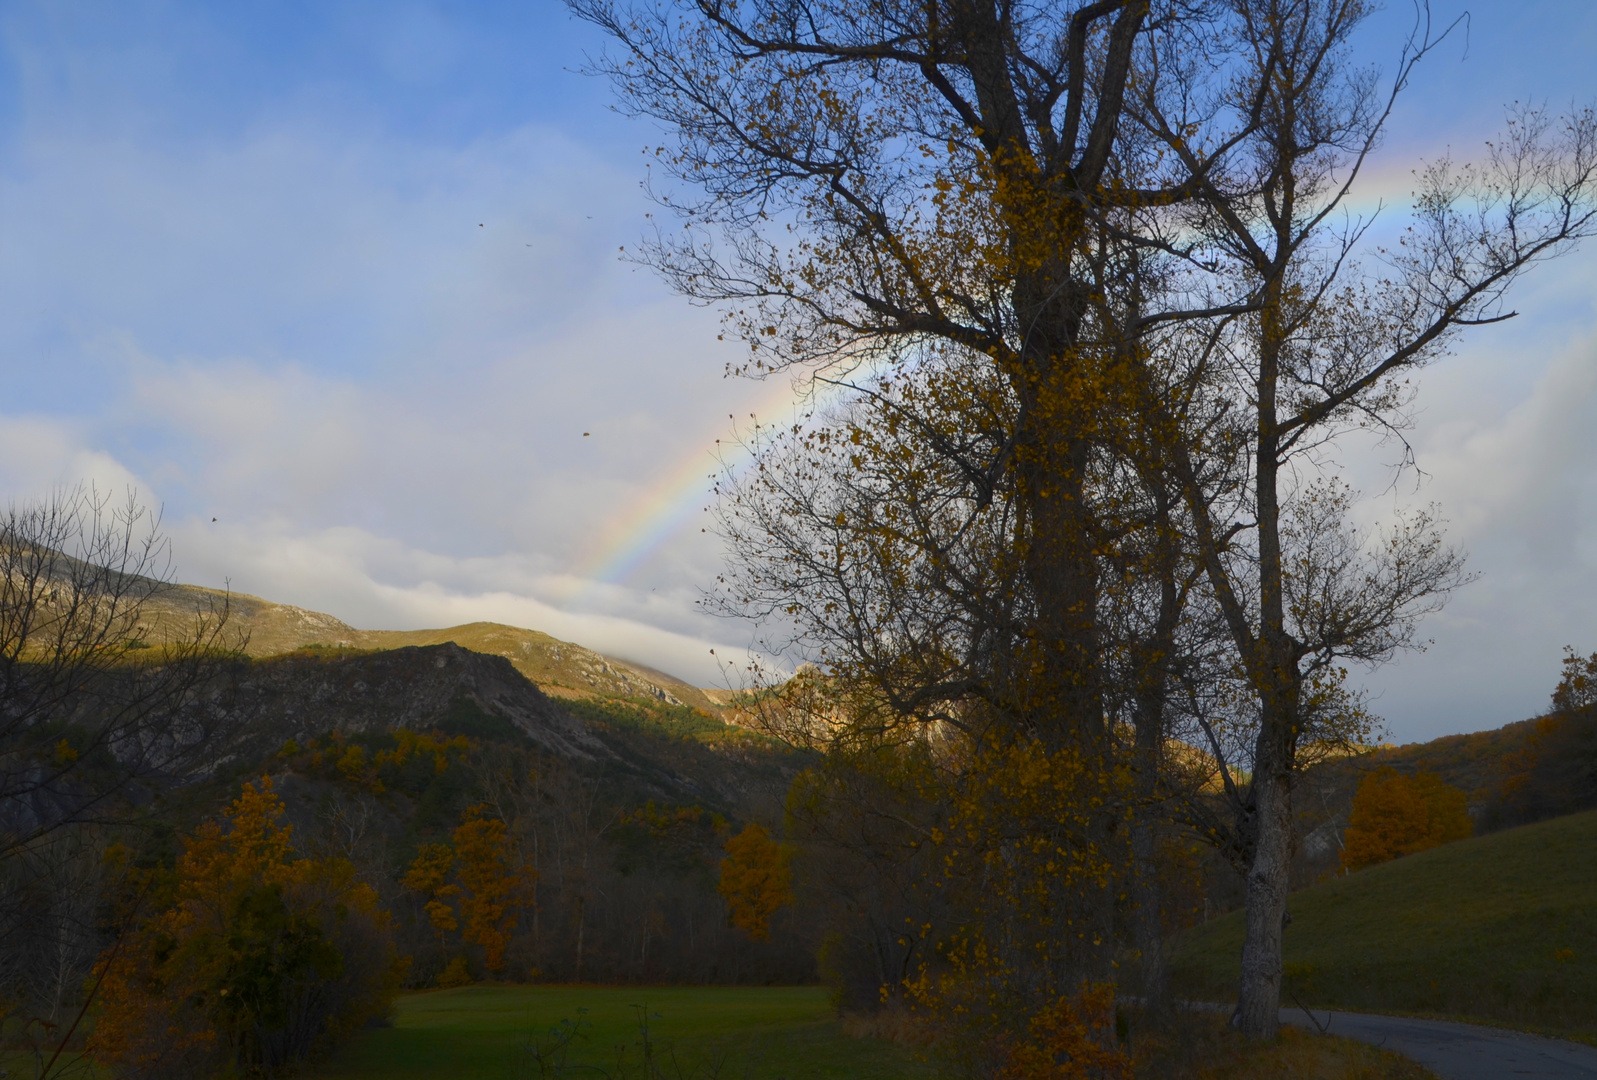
x: 1395, y: 815
x: 755, y: 880
x: 474, y: 885
x: 1555, y: 771
x: 1070, y: 1038
x: 253, y: 959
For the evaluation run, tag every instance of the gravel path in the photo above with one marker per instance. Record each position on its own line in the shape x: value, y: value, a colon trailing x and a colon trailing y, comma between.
x: 1461, y: 1051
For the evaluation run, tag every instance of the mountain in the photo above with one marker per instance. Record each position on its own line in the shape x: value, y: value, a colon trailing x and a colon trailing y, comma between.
x: 559, y: 668
x: 259, y: 704
x: 256, y: 706
x: 618, y: 786
x: 306, y: 675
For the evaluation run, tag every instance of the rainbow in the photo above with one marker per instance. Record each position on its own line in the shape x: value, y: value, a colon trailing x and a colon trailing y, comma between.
x: 643, y: 525
x: 639, y: 529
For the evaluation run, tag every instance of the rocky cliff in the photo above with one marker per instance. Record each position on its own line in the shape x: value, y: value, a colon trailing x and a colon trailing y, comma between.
x: 261, y: 704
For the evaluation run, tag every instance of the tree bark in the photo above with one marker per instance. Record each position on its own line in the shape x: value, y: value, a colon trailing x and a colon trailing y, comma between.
x: 1278, y: 683
x: 1153, y: 666
x: 1259, y: 1005
x: 1149, y: 929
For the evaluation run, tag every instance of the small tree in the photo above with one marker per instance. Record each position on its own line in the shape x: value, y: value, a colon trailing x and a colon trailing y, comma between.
x: 755, y: 880
x: 1395, y: 815
x: 254, y: 959
x: 495, y: 887
x: 474, y: 885
x: 1555, y: 771
x: 1577, y: 687
x: 98, y: 668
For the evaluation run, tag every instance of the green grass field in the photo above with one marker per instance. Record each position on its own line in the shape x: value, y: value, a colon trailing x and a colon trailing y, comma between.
x: 740, y: 1033
x: 481, y: 1033
x: 1499, y: 929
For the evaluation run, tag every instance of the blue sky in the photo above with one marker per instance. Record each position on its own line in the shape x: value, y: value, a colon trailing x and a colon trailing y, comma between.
x: 343, y: 276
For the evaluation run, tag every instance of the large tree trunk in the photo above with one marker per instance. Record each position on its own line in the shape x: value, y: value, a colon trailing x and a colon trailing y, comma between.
x: 1153, y: 670
x: 1058, y: 690
x: 1148, y: 931
x: 1059, y: 700
x: 1259, y: 1006
x: 1274, y: 670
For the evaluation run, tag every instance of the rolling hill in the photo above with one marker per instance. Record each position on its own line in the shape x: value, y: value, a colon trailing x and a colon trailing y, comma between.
x: 1498, y: 929
x: 559, y: 668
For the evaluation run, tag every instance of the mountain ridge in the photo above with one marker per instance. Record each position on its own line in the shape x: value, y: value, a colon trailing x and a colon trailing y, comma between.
x: 561, y: 669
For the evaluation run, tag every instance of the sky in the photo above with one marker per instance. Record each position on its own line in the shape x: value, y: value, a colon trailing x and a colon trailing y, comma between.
x: 337, y: 286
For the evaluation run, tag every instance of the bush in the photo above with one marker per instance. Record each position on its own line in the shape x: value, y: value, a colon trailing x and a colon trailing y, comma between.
x: 253, y: 959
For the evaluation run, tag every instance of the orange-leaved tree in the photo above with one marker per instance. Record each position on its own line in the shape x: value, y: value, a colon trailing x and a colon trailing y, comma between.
x: 1396, y: 815
x: 475, y: 884
x: 1070, y: 1038
x: 429, y: 875
x: 756, y: 880
x: 253, y: 959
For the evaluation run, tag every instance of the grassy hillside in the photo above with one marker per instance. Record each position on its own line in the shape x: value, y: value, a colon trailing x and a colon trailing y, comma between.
x: 559, y: 668
x: 1499, y: 929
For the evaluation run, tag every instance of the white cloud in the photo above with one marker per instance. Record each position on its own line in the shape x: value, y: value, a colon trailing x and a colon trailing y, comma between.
x: 369, y: 348
x: 1514, y: 475
x: 380, y: 401
x: 41, y: 453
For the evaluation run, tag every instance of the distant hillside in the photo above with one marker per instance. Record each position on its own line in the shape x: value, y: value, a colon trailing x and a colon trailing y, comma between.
x: 1472, y: 763
x: 621, y: 811
x: 1477, y: 764
x: 559, y: 668
x: 1499, y: 929
x: 258, y: 705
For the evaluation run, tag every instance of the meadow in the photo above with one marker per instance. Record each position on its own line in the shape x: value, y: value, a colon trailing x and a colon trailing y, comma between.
x: 496, y: 1032
x: 1497, y: 929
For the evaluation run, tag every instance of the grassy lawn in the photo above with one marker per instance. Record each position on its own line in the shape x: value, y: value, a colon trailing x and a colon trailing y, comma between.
x: 480, y: 1032
x: 1499, y: 929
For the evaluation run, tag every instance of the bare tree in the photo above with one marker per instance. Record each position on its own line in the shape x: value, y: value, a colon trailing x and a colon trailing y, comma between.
x: 96, y: 702
x: 1124, y: 215
x: 1308, y: 345
x: 92, y: 690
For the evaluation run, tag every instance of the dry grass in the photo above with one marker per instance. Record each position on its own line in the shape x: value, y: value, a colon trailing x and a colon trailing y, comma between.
x: 1200, y: 1046
x: 1195, y: 1046
x: 894, y: 1024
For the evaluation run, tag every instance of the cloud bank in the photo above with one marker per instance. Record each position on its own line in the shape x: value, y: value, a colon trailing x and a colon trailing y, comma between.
x: 349, y: 285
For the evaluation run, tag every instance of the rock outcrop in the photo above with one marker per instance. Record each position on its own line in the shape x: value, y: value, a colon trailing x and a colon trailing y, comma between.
x: 303, y: 695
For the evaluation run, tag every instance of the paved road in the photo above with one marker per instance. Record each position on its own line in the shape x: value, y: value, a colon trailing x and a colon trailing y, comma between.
x: 1462, y: 1051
